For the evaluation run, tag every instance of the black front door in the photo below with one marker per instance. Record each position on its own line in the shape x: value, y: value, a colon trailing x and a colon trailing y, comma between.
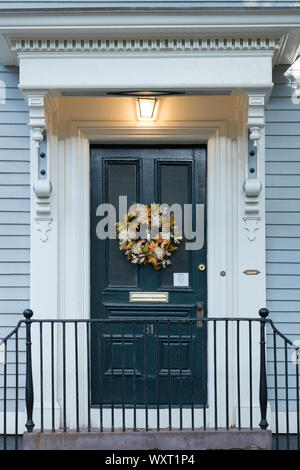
x: 134, y: 358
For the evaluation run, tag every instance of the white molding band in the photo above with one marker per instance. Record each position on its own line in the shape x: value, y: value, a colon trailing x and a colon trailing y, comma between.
x: 194, y: 44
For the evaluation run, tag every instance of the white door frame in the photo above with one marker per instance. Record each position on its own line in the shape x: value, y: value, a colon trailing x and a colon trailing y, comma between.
x: 69, y: 249
x: 81, y: 134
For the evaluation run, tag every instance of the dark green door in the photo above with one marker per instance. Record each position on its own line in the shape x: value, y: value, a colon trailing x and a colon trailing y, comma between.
x: 147, y: 361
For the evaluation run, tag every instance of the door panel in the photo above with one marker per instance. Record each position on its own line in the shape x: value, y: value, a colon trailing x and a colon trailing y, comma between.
x: 175, y: 186
x: 120, y: 178
x: 134, y: 355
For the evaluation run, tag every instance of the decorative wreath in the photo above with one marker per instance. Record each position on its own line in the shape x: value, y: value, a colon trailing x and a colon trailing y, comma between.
x: 140, y: 224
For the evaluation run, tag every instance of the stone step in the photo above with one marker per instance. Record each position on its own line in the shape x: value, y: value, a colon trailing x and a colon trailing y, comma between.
x: 247, y: 439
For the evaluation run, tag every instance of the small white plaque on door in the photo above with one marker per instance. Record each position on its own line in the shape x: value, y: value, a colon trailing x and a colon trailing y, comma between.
x: 181, y: 279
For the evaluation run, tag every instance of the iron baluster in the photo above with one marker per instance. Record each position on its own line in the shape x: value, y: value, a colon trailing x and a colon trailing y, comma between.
x: 276, y: 390
x: 41, y: 377
x: 238, y: 372
x: 52, y: 378
x: 215, y: 375
x: 17, y: 391
x: 29, y: 382
x: 64, y: 380
x: 226, y: 374
x: 76, y: 376
x: 134, y: 376
x: 287, y: 398
x: 157, y: 377
x: 250, y: 375
x: 5, y: 398
x: 180, y: 374
x: 263, y: 392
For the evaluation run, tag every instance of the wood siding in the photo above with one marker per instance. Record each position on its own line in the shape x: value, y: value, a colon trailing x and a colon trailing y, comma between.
x: 283, y: 208
x: 14, y: 217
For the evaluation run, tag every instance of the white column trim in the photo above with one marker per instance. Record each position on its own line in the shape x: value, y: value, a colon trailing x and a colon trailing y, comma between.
x: 43, y: 245
x: 251, y: 249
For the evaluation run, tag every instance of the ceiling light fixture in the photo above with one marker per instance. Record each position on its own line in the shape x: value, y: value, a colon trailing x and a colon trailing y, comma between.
x: 147, y: 108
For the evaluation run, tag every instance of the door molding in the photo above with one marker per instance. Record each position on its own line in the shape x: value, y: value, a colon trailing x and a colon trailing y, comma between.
x: 66, y: 293
x: 219, y: 166
x: 84, y: 133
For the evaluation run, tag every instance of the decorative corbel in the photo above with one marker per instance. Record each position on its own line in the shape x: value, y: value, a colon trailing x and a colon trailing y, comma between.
x: 42, y: 190
x: 252, y: 185
x: 252, y: 188
x: 255, y: 134
x: 37, y: 135
x: 41, y: 185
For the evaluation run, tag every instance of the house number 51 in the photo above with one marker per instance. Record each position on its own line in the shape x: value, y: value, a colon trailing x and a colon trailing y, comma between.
x: 149, y: 328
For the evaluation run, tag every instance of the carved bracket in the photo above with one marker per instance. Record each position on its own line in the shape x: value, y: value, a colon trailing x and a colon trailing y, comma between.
x: 252, y: 188
x: 251, y: 226
x: 42, y: 186
x: 37, y: 135
x: 255, y: 135
x: 252, y: 185
x: 256, y: 116
x: 43, y: 226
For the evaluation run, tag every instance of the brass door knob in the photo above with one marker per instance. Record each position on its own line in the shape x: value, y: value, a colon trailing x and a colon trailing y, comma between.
x: 202, y: 267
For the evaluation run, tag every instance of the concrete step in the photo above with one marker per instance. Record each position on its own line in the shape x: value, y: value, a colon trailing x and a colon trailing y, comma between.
x: 247, y: 439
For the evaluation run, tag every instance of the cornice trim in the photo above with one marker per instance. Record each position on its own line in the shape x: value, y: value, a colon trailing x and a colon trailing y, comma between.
x: 251, y: 7
x: 21, y: 46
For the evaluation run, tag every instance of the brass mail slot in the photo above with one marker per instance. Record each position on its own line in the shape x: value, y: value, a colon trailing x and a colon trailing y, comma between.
x: 159, y: 297
x: 251, y: 272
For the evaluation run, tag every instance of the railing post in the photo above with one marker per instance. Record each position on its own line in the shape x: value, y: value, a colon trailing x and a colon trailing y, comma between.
x: 263, y: 391
x: 29, y: 382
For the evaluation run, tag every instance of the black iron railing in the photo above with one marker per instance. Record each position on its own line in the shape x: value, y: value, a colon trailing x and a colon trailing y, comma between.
x: 149, y: 373
x: 283, y: 387
x: 10, y: 401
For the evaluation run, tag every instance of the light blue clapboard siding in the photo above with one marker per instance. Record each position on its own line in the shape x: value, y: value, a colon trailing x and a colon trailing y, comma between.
x: 152, y: 4
x: 14, y: 220
x: 14, y: 193
x: 283, y: 216
x: 286, y: 116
